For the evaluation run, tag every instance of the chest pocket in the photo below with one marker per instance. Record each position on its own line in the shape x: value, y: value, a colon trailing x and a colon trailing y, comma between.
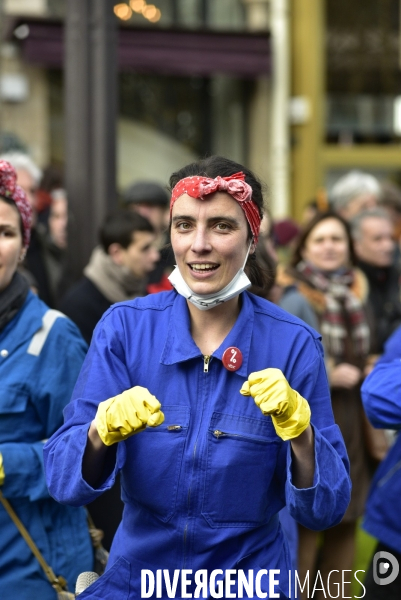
x: 241, y: 458
x: 13, y: 408
x: 154, y: 457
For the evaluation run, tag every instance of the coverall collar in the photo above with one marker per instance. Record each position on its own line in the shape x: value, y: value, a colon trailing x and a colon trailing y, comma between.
x: 16, y: 331
x: 180, y: 346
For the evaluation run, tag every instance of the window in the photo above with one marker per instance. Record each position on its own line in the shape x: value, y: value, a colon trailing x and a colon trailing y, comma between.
x: 363, y: 75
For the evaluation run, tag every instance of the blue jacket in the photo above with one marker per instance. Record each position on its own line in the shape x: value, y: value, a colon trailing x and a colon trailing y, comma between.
x: 39, y: 364
x: 201, y: 491
x: 381, y: 395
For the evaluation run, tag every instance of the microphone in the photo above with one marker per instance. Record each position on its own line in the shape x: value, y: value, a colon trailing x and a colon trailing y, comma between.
x: 84, y: 580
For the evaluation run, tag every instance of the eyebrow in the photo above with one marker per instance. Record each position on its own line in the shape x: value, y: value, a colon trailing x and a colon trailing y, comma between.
x: 211, y: 220
x: 8, y: 226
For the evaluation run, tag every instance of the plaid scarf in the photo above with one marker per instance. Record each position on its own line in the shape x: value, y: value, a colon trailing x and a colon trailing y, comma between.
x: 342, y: 307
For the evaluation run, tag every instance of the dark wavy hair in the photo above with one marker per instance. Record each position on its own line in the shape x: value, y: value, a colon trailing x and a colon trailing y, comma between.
x: 214, y: 166
x: 305, y: 233
x: 119, y: 227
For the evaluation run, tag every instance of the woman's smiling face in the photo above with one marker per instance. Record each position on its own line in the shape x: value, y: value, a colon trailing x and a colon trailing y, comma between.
x: 209, y: 240
x: 327, y: 245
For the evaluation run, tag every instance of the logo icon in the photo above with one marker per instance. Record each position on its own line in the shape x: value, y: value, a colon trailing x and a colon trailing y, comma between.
x: 385, y: 568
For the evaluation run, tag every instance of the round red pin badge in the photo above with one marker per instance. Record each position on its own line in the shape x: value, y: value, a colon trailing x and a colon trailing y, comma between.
x: 232, y: 358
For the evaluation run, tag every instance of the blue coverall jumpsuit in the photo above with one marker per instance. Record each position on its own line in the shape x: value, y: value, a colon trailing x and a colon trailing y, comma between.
x: 39, y: 364
x: 201, y: 491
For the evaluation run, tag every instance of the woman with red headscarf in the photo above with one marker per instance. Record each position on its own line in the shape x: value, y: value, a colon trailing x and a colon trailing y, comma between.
x: 41, y: 353
x: 202, y: 397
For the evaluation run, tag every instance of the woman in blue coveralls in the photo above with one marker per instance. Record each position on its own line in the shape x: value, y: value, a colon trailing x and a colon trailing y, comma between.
x: 202, y: 398
x: 41, y: 354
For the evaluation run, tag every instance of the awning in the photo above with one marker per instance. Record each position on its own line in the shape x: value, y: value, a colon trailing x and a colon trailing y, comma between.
x: 161, y: 51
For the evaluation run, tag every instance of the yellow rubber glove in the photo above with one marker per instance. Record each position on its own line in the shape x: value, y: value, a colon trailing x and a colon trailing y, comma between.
x: 271, y: 391
x: 130, y: 412
x: 2, y: 474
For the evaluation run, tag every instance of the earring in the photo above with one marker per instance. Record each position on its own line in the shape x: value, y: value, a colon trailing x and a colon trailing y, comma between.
x: 22, y: 257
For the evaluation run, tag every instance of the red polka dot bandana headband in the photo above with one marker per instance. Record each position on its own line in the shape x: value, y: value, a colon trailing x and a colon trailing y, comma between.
x: 235, y: 185
x: 10, y: 189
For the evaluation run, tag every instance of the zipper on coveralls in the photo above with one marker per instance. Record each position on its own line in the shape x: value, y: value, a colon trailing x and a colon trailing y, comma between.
x: 206, y: 360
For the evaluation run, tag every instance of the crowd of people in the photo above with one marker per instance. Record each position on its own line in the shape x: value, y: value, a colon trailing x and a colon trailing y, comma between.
x: 160, y: 441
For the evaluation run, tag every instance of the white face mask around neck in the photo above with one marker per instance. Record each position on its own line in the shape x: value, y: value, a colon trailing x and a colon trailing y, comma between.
x: 238, y: 284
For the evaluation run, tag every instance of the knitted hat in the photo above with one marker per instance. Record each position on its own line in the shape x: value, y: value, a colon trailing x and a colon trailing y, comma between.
x: 284, y: 231
x: 146, y: 192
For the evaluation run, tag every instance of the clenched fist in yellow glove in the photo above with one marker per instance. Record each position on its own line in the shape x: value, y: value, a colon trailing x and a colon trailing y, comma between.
x: 271, y: 391
x: 130, y: 412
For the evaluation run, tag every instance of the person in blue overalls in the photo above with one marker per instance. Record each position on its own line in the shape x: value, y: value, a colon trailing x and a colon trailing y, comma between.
x: 381, y: 395
x: 41, y: 353
x: 214, y: 405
